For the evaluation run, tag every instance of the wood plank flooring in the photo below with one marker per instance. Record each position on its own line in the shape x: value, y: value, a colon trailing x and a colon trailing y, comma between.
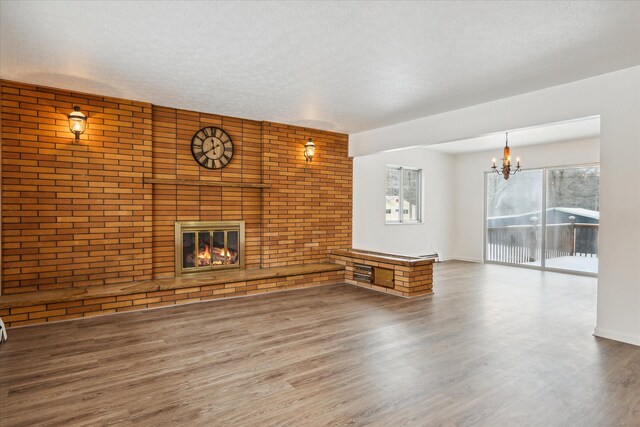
x: 494, y: 346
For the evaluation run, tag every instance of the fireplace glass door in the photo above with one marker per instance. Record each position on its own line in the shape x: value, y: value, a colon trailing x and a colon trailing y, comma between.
x: 206, y: 246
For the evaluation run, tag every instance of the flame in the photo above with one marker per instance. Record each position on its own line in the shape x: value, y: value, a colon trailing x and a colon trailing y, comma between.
x: 204, y: 257
x: 224, y: 256
x: 216, y: 256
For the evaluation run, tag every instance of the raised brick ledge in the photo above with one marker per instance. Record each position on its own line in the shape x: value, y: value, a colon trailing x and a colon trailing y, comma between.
x: 393, y: 259
x: 28, y: 299
x: 412, y: 277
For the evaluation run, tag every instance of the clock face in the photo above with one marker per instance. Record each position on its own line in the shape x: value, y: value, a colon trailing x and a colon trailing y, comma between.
x: 212, y: 148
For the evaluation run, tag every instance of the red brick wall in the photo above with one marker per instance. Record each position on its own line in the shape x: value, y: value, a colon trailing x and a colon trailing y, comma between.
x: 73, y: 213
x: 307, y: 210
x: 77, y: 214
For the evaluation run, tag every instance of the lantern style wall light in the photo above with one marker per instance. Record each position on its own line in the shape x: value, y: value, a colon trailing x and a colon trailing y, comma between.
x: 309, y: 150
x: 77, y: 122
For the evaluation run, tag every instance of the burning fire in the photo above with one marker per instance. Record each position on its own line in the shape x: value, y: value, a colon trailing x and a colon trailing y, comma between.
x: 220, y: 256
x: 204, y: 256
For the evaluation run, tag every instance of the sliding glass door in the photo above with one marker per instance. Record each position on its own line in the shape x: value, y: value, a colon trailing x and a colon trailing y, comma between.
x: 564, y: 238
x: 572, y: 221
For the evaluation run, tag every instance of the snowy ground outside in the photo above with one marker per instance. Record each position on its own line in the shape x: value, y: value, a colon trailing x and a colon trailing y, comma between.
x: 587, y: 264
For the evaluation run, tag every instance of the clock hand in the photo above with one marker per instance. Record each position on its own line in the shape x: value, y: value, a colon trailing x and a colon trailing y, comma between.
x: 212, y: 148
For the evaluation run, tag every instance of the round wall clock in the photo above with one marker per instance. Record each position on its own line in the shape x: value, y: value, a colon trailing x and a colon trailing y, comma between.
x: 212, y: 147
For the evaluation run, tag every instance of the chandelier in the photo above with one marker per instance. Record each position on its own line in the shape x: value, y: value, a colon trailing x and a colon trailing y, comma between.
x: 506, y: 171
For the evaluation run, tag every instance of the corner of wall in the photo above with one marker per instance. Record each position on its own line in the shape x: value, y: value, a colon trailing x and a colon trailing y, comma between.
x: 604, y: 333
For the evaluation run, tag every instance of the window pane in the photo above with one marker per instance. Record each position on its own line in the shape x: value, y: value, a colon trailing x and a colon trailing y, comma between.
x: 393, y: 195
x: 514, y: 218
x: 573, y: 205
x: 204, y: 249
x: 410, y: 195
x: 232, y: 247
x: 188, y: 250
x: 218, y: 248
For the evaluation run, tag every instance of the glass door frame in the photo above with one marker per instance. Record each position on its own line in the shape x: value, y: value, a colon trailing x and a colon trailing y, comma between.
x: 543, y: 223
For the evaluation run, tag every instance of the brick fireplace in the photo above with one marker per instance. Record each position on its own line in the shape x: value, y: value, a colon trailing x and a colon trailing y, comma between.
x: 103, y: 210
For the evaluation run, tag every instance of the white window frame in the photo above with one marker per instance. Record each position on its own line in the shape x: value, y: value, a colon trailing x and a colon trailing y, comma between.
x: 401, y: 195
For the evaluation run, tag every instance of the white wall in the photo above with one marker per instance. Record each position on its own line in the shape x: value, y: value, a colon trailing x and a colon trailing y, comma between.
x: 468, y: 195
x: 453, y: 204
x: 615, y: 97
x: 369, y: 229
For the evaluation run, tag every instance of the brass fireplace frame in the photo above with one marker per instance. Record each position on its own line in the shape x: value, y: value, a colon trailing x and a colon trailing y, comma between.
x: 211, y: 226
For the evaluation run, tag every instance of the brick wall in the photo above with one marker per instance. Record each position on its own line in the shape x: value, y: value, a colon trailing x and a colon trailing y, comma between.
x: 307, y: 210
x: 73, y: 213
x: 78, y: 214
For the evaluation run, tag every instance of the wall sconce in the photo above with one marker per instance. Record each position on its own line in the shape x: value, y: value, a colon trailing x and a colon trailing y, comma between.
x: 309, y: 150
x: 77, y: 122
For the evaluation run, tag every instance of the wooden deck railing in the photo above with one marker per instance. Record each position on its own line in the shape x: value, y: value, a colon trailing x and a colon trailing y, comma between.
x: 521, y: 243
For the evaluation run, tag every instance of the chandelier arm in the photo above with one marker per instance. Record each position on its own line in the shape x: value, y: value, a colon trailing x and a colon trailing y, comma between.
x: 506, y: 170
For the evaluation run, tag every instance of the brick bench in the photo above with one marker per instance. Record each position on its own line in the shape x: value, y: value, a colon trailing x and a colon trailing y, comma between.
x: 408, y: 276
x: 71, y: 303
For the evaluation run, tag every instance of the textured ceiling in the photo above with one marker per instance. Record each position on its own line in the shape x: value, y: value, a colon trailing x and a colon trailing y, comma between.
x: 345, y: 66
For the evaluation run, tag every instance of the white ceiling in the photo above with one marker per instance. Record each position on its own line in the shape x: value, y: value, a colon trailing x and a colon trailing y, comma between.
x: 345, y: 66
x: 573, y: 130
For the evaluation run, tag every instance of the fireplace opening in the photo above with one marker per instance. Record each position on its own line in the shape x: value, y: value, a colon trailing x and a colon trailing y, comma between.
x: 205, y: 246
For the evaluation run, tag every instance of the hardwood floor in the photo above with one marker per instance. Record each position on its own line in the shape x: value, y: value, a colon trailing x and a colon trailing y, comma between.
x: 494, y: 346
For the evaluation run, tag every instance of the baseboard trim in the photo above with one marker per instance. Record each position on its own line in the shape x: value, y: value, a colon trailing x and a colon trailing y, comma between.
x: 629, y: 339
x: 465, y: 259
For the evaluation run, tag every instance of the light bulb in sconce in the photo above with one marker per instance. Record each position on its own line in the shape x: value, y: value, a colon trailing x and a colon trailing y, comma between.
x: 309, y: 150
x: 77, y: 122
